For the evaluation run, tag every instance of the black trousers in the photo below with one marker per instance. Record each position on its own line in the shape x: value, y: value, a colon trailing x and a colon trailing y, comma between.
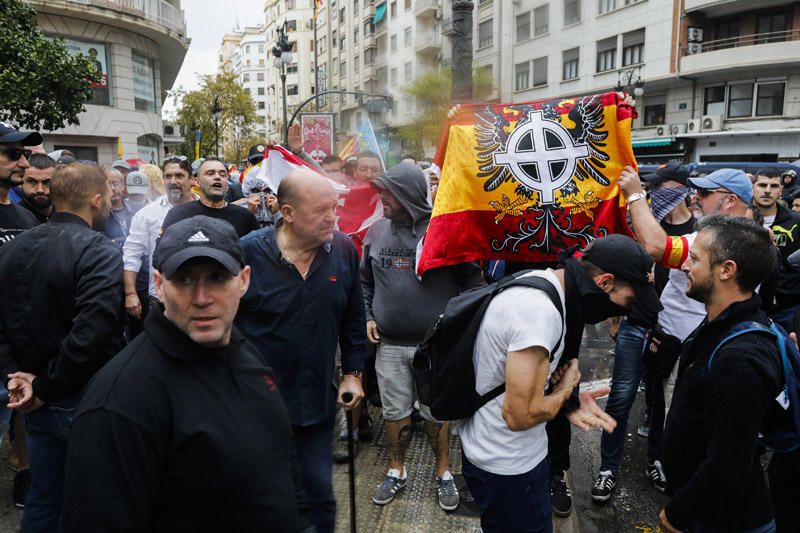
x: 783, y: 472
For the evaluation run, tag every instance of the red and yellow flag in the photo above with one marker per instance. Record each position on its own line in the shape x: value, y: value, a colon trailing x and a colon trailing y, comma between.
x: 521, y: 182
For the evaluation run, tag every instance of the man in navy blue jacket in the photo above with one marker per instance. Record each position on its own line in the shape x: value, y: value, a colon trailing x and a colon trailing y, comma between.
x: 305, y: 298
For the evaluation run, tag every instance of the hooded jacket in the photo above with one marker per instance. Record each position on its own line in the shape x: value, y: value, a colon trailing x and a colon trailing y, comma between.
x: 786, y: 229
x: 404, y: 307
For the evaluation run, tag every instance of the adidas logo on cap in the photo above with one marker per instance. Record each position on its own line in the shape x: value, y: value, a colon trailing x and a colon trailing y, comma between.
x: 199, y: 237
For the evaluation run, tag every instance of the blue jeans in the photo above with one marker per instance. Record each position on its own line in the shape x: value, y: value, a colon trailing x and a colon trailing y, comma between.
x: 511, y: 504
x: 699, y: 527
x: 628, y: 372
x: 314, y: 448
x: 47, y: 429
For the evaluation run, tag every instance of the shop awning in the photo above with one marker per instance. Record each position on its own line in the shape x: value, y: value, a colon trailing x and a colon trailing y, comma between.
x: 380, y: 12
x: 655, y: 141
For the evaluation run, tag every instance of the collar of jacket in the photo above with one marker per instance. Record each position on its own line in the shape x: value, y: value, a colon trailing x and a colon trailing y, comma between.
x: 272, y: 239
x: 68, y: 218
x: 177, y: 344
x: 784, y: 214
x: 736, y: 312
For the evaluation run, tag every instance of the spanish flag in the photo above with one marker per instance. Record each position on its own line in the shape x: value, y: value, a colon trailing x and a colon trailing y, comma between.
x: 523, y: 181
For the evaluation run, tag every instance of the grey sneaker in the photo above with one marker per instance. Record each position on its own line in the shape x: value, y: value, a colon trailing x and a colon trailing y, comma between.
x: 447, y: 493
x: 655, y: 472
x: 387, y: 490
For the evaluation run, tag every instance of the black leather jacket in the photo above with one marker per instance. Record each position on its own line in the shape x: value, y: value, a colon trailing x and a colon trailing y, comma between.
x: 61, y: 305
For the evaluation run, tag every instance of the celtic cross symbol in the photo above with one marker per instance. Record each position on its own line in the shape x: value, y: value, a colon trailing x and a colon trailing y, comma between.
x: 541, y: 155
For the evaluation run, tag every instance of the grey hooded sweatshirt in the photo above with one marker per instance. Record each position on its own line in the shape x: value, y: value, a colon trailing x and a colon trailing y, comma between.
x: 403, y: 307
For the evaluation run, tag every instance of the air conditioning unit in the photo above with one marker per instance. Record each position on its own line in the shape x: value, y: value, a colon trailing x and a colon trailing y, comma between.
x: 693, y: 126
x: 661, y: 131
x: 711, y: 123
x: 694, y: 48
x: 677, y: 129
x: 695, y: 35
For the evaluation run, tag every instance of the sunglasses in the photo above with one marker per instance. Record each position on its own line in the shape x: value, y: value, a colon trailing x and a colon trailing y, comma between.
x: 14, y: 154
x: 703, y: 193
x: 178, y: 158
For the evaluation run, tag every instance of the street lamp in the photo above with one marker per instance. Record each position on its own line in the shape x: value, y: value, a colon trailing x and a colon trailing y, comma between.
x: 629, y: 86
x: 462, y: 50
x: 217, y: 110
x: 283, y: 56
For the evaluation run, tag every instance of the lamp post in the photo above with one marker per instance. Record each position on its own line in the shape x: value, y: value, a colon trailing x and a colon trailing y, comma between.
x: 626, y: 84
x: 462, y: 51
x: 217, y: 110
x: 283, y: 56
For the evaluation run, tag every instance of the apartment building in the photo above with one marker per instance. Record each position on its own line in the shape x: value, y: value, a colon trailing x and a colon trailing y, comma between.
x: 138, y: 47
x: 721, y: 79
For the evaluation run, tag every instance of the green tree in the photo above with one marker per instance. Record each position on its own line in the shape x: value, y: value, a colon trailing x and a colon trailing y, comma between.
x: 432, y: 95
x: 42, y: 85
x: 194, y: 110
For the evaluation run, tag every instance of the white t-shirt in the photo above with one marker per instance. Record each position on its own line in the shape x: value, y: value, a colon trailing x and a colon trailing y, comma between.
x: 769, y: 221
x: 681, y: 315
x: 517, y: 318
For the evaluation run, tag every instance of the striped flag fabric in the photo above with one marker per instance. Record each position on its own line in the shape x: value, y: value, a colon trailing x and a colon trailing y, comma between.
x: 524, y: 181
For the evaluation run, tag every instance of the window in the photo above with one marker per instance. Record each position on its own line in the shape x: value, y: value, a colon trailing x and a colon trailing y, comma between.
x: 369, y: 56
x: 291, y: 25
x: 369, y: 28
x: 289, y: 4
x: 343, y: 14
x: 407, y: 74
x: 541, y: 17
x: 291, y: 90
x: 714, y: 100
x: 769, y: 99
x: 335, y: 67
x: 247, y: 49
x: 247, y: 90
x: 261, y: 105
x: 393, y: 43
x: 393, y: 10
x: 771, y: 27
x: 393, y: 76
x: 633, y: 48
x: 540, y: 71
x: 260, y: 62
x: 407, y: 37
x: 260, y: 91
x: 485, y: 34
x: 260, y: 76
x: 343, y: 68
x: 522, y: 74
x: 607, y: 5
x: 260, y: 48
x: 355, y: 6
x: 355, y: 36
x: 356, y: 62
x: 341, y: 44
x: 144, y: 84
x: 291, y: 69
x: 524, y: 27
x: 740, y: 100
x: 246, y: 77
x: 570, y: 60
x: 655, y: 110
x: 728, y: 32
x: 572, y: 12
x: 607, y: 54
x: 333, y: 38
x: 407, y: 5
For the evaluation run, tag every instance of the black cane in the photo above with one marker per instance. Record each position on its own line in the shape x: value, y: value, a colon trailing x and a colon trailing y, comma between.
x: 347, y: 397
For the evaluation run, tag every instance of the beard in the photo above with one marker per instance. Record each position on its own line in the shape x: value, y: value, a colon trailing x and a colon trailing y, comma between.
x: 39, y: 201
x: 214, y: 194
x: 699, y: 291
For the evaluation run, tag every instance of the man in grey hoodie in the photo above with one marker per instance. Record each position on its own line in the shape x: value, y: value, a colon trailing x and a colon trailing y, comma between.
x: 400, y: 310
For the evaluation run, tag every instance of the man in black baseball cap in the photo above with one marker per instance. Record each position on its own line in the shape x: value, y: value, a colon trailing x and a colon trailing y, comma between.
x: 14, y: 219
x: 671, y: 172
x: 138, y: 458
x: 256, y: 154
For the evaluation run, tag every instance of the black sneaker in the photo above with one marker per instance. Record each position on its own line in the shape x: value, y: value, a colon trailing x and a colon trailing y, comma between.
x: 604, y: 486
x: 655, y: 472
x: 364, y: 427
x: 560, y: 495
x: 340, y: 453
x: 22, y: 482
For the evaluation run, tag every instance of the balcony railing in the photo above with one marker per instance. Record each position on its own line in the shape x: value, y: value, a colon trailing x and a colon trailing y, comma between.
x: 742, y: 40
x: 158, y: 11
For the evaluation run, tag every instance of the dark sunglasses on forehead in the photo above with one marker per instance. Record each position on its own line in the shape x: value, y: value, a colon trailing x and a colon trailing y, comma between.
x: 177, y: 158
x: 15, y: 153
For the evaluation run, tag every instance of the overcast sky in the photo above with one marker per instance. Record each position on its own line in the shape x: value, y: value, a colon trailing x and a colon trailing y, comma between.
x: 207, y: 21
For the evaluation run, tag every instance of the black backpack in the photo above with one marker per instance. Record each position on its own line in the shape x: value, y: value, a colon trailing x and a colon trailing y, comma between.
x: 443, y: 369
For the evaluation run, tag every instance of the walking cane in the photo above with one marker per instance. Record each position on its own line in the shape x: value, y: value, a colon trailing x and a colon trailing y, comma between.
x: 347, y: 397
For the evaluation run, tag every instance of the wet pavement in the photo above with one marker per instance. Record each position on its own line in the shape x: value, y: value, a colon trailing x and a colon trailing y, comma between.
x: 633, y: 508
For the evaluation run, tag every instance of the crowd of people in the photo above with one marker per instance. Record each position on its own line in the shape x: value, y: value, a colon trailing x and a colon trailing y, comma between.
x: 170, y: 338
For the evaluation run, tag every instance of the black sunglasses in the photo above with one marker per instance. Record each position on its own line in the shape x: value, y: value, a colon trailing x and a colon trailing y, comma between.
x: 14, y: 154
x: 703, y: 193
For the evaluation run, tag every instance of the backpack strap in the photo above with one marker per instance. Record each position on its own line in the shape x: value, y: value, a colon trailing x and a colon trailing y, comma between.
x: 534, y: 282
x: 742, y: 329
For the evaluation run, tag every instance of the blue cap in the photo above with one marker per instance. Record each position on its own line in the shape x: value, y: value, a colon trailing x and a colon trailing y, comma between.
x: 731, y: 179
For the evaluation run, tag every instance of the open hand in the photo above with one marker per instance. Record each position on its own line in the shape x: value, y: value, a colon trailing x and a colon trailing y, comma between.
x: 589, y: 415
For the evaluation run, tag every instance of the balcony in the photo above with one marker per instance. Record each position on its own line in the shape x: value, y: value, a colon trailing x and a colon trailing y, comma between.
x: 369, y: 12
x: 370, y: 41
x: 718, y: 8
x: 426, y: 8
x: 428, y: 43
x: 773, y: 49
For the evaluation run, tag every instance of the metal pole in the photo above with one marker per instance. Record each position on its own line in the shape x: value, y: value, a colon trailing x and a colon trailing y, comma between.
x: 462, y: 50
x: 316, y: 60
x: 216, y: 134
x: 285, y: 106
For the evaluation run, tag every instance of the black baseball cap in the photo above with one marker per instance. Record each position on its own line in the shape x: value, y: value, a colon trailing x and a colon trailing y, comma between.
x: 256, y: 153
x: 671, y: 172
x: 198, y: 236
x: 628, y: 261
x: 9, y: 134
